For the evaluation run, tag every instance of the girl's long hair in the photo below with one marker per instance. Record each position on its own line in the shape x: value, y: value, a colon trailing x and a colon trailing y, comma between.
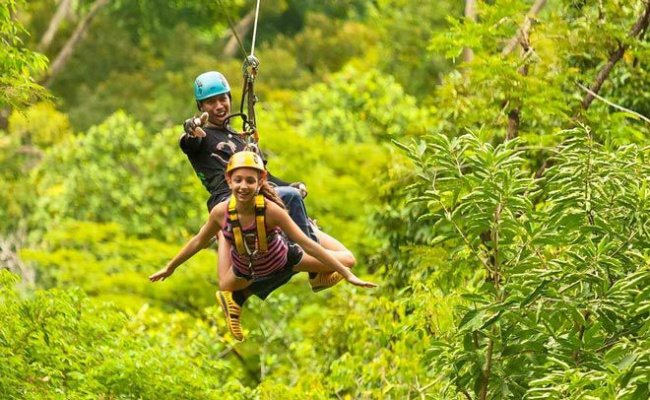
x: 267, y: 191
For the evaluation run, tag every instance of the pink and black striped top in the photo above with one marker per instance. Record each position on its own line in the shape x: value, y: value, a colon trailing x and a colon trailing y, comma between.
x: 263, y: 264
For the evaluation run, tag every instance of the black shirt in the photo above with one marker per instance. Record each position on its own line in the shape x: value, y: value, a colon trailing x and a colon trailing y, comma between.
x: 209, y: 157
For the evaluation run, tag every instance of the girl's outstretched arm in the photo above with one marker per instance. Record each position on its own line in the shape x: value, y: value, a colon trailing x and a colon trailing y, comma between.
x: 197, y: 243
x: 283, y: 220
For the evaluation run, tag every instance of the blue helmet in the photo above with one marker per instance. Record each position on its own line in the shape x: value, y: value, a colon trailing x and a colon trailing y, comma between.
x: 210, y: 84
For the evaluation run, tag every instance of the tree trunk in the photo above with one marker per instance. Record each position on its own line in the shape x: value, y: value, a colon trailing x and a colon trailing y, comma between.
x: 9, y: 259
x: 67, y: 51
x: 514, y: 116
x: 242, y: 28
x: 470, y: 15
x: 523, y: 30
x: 55, y: 23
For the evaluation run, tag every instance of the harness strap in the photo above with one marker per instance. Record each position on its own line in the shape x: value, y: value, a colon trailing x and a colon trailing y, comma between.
x: 261, y: 242
x: 259, y: 222
x: 233, y: 218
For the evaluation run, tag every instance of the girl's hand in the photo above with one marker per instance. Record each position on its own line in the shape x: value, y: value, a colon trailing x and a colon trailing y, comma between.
x: 161, y: 275
x: 353, y: 279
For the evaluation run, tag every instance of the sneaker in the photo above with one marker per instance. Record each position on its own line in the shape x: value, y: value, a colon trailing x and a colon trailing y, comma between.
x: 232, y: 312
x: 325, y: 280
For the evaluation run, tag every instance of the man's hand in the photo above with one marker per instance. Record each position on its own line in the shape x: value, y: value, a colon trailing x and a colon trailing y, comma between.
x: 301, y: 188
x: 192, y: 126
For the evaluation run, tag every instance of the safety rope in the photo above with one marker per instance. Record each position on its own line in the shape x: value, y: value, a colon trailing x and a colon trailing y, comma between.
x: 249, y: 71
x: 232, y: 28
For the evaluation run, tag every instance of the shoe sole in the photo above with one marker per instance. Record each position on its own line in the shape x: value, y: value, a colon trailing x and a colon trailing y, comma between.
x: 224, y: 306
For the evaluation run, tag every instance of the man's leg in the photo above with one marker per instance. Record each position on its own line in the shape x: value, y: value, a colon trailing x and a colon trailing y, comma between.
x: 297, y: 211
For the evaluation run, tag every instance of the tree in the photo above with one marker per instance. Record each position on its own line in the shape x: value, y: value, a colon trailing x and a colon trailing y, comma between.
x: 61, y: 341
x: 557, y: 269
x: 495, y: 93
x: 118, y: 172
x: 18, y: 65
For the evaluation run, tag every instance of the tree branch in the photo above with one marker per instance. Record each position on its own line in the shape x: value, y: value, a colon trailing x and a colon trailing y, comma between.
x: 242, y: 28
x: 67, y: 51
x: 581, y: 332
x: 463, y: 391
x: 523, y: 30
x: 55, y: 23
x: 485, y: 378
x: 637, y: 30
x: 643, y: 117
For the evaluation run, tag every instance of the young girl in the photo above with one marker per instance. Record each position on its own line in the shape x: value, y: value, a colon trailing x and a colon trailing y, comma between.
x: 258, y: 254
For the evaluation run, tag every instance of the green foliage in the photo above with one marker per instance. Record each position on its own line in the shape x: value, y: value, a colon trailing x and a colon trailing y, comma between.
x: 30, y: 131
x: 325, y: 45
x: 341, y: 178
x: 563, y: 266
x: 118, y: 172
x: 539, y: 84
x: 155, y: 88
x: 289, y: 17
x: 361, y: 106
x: 512, y: 269
x: 106, y: 263
x: 404, y: 27
x: 61, y: 343
x: 18, y: 65
x: 16, y: 196
x: 40, y: 125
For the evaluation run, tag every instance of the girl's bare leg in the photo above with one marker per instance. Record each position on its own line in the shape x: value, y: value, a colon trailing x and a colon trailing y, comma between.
x: 227, y: 279
x: 334, y: 247
x: 232, y: 291
x: 338, y: 250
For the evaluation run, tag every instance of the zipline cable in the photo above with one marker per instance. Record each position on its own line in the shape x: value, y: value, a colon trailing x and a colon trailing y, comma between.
x: 257, y: 13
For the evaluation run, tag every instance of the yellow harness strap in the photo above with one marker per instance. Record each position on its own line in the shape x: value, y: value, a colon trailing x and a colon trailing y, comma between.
x: 262, y: 244
x: 259, y: 222
x: 236, y: 225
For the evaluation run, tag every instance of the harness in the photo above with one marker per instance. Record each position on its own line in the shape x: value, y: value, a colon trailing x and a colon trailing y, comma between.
x: 261, y: 242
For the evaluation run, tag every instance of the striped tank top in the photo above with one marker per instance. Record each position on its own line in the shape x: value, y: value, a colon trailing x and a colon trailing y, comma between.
x: 261, y: 264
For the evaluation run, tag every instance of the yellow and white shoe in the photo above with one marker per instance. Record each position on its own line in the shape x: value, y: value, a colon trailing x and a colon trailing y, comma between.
x: 325, y: 280
x: 232, y: 312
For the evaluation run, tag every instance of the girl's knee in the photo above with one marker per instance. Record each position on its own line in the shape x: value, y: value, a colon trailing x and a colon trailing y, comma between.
x: 348, y: 260
x: 226, y: 284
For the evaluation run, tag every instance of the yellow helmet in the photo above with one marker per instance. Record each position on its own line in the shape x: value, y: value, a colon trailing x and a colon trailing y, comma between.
x: 245, y: 159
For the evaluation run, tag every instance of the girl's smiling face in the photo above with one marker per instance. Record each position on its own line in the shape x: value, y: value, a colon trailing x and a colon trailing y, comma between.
x: 244, y: 183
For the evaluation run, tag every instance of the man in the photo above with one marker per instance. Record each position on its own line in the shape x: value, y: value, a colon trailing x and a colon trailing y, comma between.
x: 209, y: 156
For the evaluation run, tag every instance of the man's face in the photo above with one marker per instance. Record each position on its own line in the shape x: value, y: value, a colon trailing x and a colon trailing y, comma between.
x: 217, y: 107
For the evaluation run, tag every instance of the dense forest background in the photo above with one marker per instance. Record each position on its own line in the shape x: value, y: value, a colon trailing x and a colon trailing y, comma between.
x: 486, y: 161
